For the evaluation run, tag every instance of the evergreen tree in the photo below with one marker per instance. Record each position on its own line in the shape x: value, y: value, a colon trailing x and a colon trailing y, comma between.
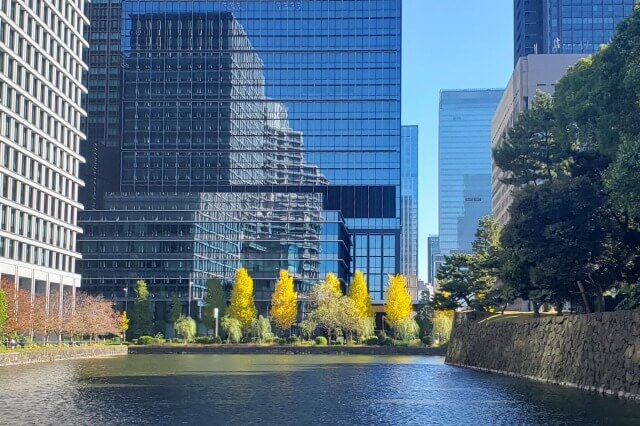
x: 142, y: 318
x: 242, y: 307
x: 398, y: 306
x: 284, y: 302
x: 212, y: 300
x: 360, y: 295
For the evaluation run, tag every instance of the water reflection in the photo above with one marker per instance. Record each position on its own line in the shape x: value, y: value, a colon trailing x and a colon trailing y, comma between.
x: 300, y: 390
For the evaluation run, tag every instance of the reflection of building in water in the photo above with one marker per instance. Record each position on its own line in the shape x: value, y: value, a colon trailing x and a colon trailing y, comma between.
x: 212, y: 176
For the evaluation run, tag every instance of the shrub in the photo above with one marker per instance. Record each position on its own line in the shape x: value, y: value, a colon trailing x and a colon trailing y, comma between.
x: 427, y: 340
x: 407, y: 330
x: 203, y: 340
x: 216, y: 340
x: 293, y: 340
x: 321, y: 341
x: 145, y: 340
x: 158, y: 338
x: 280, y: 341
x: 233, y: 328
x: 381, y: 336
x: 339, y: 340
x: 371, y: 340
x: 387, y: 341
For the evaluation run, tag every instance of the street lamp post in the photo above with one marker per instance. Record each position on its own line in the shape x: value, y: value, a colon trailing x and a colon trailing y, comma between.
x: 215, y: 315
x: 189, y: 306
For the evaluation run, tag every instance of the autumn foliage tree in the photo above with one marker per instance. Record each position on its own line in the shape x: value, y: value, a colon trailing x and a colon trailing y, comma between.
x: 360, y: 295
x: 37, y: 316
x: 242, y: 306
x: 4, y: 306
x: 398, y: 306
x: 284, y: 302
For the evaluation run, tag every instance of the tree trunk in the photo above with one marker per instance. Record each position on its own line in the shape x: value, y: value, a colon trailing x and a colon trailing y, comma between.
x: 585, y: 299
x: 536, y: 309
x: 559, y: 304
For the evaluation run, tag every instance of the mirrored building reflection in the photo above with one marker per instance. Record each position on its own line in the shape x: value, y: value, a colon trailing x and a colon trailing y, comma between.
x: 261, y: 134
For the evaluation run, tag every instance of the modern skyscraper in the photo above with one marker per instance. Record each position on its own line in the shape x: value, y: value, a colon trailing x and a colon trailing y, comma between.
x: 409, y: 209
x: 532, y: 73
x: 409, y: 202
x: 464, y: 166
x: 262, y: 134
x: 565, y: 26
x: 433, y: 250
x: 41, y: 66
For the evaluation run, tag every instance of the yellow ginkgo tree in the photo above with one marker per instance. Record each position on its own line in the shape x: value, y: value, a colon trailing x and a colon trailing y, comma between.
x: 398, y: 306
x: 242, y: 306
x: 360, y: 295
x: 284, y: 302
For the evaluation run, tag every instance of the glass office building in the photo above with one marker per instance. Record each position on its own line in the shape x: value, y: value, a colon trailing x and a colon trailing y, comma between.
x: 261, y: 134
x: 464, y: 166
x: 566, y: 26
x: 409, y: 202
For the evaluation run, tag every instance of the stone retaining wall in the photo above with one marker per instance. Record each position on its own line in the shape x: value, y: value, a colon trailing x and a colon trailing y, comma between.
x: 597, y: 352
x: 58, y: 354
x: 286, y: 350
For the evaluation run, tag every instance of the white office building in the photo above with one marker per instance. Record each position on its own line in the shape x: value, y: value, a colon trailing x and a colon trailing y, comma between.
x: 41, y: 44
x: 532, y: 73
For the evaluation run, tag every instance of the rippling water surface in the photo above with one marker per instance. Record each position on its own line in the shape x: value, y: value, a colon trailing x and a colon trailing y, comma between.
x: 289, y: 390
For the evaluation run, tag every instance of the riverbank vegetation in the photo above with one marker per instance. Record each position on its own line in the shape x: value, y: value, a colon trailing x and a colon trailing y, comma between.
x: 573, y: 163
x: 330, y: 318
x: 27, y: 319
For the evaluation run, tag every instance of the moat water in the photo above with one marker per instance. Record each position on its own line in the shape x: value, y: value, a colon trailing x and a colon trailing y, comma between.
x: 289, y: 390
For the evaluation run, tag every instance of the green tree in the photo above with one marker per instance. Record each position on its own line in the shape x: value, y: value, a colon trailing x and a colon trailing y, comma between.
x: 261, y: 330
x: 214, y: 298
x: 142, y: 318
x: 185, y: 327
x: 424, y: 312
x: 176, y: 309
x: 232, y: 328
x: 407, y: 330
x: 242, y: 306
x: 4, y: 309
x: 324, y: 302
x: 531, y: 153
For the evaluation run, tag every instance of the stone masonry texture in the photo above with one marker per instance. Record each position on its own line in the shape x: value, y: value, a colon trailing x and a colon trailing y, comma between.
x: 597, y: 352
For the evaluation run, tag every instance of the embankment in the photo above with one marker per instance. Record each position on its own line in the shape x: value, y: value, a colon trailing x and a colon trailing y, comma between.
x: 33, y: 356
x: 286, y: 350
x: 597, y: 352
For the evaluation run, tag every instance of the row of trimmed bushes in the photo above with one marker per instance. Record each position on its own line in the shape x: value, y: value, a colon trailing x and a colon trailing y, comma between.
x: 381, y: 339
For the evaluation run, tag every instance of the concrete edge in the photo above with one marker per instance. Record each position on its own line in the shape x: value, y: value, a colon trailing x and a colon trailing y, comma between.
x: 284, y: 350
x: 9, y: 359
x: 593, y: 389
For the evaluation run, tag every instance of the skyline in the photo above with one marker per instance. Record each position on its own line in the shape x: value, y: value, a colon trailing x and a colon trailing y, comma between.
x: 424, y: 24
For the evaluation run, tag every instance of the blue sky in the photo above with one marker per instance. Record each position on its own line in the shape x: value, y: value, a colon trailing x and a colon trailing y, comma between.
x: 448, y: 44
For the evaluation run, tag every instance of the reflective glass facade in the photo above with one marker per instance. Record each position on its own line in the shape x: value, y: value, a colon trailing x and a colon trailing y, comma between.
x: 409, y: 200
x: 464, y: 166
x: 566, y: 26
x: 284, y: 116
